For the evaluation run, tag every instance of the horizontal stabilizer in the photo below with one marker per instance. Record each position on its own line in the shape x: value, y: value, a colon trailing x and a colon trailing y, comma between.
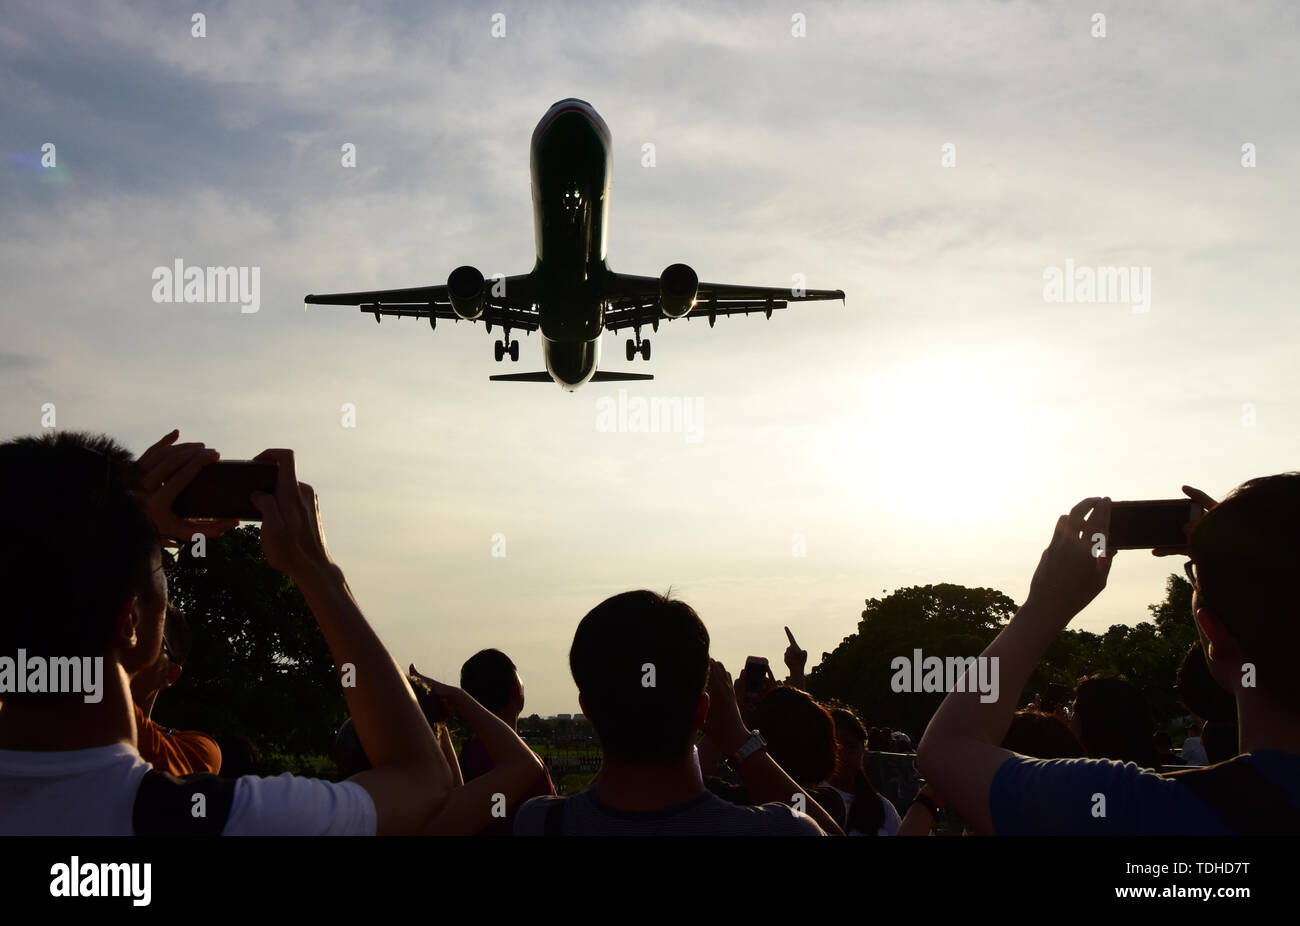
x: 603, y: 377
x: 542, y: 377
x: 600, y: 376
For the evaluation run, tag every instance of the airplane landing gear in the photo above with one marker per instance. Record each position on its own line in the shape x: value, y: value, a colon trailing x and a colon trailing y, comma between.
x: 507, y: 346
x: 639, y: 346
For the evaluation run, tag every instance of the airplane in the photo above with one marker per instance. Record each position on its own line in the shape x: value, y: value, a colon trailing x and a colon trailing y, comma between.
x: 571, y: 294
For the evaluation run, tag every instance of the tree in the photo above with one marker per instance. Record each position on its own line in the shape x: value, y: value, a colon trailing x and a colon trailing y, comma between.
x: 955, y: 621
x: 260, y: 667
x: 940, y: 620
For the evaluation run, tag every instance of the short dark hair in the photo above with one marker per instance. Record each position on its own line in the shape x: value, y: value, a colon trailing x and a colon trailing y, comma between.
x: 800, y: 734
x: 1114, y: 720
x: 78, y: 543
x: 615, y: 648
x: 847, y: 722
x: 1041, y: 736
x: 489, y: 678
x: 1247, y: 551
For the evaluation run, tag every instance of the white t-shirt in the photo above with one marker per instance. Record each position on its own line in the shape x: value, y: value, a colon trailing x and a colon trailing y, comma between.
x: 892, y: 819
x: 91, y: 792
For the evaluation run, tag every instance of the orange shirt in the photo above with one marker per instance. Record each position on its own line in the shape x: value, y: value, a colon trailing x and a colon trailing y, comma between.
x: 181, y: 752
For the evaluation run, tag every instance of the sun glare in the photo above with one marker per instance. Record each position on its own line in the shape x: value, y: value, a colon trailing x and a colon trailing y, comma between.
x: 948, y: 436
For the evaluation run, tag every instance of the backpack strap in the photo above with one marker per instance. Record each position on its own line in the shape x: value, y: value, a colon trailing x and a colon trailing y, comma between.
x: 192, y: 805
x: 1247, y: 801
x: 553, y: 825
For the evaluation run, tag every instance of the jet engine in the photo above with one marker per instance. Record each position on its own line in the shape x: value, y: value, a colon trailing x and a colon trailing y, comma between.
x: 465, y: 290
x: 678, y: 285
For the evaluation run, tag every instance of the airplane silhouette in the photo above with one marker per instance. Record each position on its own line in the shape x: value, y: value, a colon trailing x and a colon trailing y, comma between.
x: 571, y: 294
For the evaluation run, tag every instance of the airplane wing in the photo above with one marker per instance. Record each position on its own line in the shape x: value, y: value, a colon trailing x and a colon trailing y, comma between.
x: 514, y: 311
x: 634, y: 300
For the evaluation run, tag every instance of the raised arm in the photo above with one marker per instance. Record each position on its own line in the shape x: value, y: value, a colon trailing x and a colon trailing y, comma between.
x: 960, y: 752
x: 763, y: 778
x: 410, y: 777
x: 515, y: 769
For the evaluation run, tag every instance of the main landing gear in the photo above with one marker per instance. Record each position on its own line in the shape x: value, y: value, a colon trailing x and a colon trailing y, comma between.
x: 639, y: 346
x: 507, y: 347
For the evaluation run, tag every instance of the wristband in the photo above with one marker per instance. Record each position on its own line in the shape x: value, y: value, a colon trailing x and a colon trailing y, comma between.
x: 751, y: 746
x: 924, y: 801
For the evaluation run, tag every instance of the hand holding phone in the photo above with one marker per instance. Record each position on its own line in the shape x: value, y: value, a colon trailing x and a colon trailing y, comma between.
x: 164, y: 471
x: 756, y: 672
x: 1204, y: 502
x: 293, y: 538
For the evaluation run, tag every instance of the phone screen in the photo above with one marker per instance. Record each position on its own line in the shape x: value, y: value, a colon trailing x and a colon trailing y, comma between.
x: 223, y: 490
x: 1142, y: 525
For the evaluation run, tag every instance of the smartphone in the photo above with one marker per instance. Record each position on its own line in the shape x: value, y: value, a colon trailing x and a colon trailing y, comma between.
x: 1142, y: 525
x: 223, y: 490
x: 756, y: 670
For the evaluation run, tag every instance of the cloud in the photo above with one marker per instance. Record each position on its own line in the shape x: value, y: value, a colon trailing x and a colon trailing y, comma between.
x: 14, y: 361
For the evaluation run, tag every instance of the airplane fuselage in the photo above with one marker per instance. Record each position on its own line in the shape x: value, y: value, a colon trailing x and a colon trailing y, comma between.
x: 571, y: 170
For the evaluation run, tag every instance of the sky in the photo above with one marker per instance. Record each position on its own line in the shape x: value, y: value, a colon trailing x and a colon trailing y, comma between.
x: 929, y: 430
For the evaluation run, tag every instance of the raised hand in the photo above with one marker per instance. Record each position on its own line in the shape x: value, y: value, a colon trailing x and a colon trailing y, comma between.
x: 795, y: 658
x: 1206, y: 503
x: 292, y: 536
x: 723, y: 725
x: 1069, y: 575
x: 165, y: 470
x: 452, y: 698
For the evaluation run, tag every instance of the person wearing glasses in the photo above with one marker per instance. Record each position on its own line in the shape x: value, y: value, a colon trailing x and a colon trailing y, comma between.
x: 1243, y: 555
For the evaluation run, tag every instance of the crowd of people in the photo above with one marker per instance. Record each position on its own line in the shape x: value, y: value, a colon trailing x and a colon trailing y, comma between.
x: 686, y: 750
